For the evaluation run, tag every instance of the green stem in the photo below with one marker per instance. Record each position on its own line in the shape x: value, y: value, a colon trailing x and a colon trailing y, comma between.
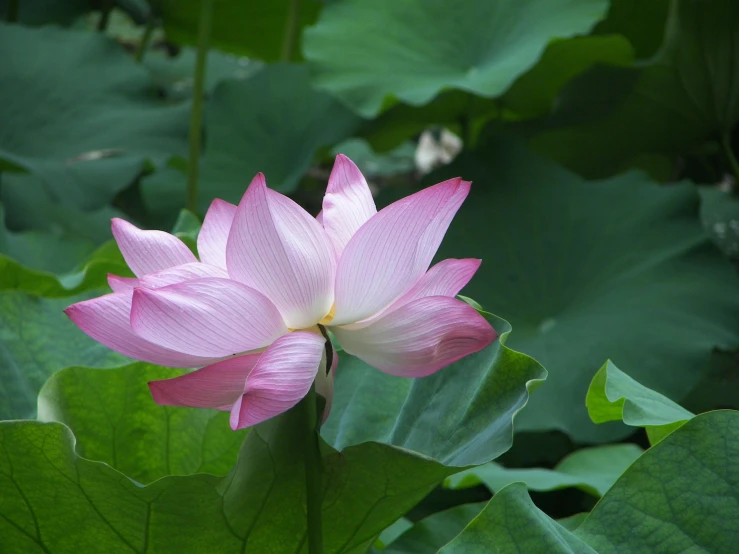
x: 291, y: 30
x: 145, y: 40
x: 106, y: 9
x: 196, y: 114
x: 313, y: 475
x: 729, y: 153
x: 13, y: 8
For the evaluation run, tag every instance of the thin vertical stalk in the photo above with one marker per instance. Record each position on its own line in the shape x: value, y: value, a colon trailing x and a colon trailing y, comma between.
x: 291, y: 31
x: 313, y: 491
x: 106, y: 9
x: 13, y: 8
x: 145, y: 39
x: 196, y: 114
x: 730, y: 157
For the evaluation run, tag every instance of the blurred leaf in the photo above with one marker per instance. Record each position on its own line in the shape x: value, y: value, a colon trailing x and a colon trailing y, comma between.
x: 681, y: 99
x: 174, y: 75
x: 460, y: 416
x: 34, y: 207
x: 187, y: 225
x: 253, y: 29
x: 531, y: 95
x: 78, y: 112
x: 43, y: 12
x: 482, y: 49
x: 593, y: 470
x: 393, y: 532
x: 720, y: 215
x: 614, y: 396
x: 642, y: 23
x: 258, y: 507
x: 590, y: 270
x: 372, y: 164
x: 679, y: 496
x: 272, y: 123
x: 431, y: 533
x: 115, y: 421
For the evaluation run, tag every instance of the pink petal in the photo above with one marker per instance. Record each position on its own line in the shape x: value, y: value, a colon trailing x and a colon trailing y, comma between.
x: 420, y: 337
x: 107, y: 320
x: 213, y: 234
x: 348, y: 203
x: 149, y: 251
x: 392, y: 251
x: 215, y: 386
x: 277, y: 248
x: 181, y: 273
x: 282, y: 377
x: 206, y: 317
x: 446, y: 278
x: 121, y: 284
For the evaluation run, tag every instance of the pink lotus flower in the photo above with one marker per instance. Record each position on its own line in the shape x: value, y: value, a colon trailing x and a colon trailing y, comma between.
x: 271, y: 278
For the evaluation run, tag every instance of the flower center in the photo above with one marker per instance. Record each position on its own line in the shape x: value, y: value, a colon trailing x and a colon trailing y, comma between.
x: 329, y: 316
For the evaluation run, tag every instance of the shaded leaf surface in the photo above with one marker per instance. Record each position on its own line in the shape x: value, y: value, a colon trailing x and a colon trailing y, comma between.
x: 462, y: 415
x: 78, y: 112
x: 593, y: 470
x: 587, y: 271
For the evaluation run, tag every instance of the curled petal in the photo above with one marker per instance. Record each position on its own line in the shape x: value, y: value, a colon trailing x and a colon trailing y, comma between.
x: 446, y: 278
x: 122, y: 284
x: 420, y: 337
x: 216, y: 386
x: 277, y: 248
x: 281, y: 378
x: 206, y: 317
x: 180, y: 274
x: 348, y: 203
x: 107, y: 320
x: 213, y: 234
x: 149, y: 251
x: 392, y: 251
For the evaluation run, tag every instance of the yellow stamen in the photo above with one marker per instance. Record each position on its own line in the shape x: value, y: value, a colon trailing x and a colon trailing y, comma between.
x: 329, y: 316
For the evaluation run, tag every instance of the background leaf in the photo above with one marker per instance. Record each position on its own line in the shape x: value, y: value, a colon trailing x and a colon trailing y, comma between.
x: 425, y: 50
x: 590, y: 270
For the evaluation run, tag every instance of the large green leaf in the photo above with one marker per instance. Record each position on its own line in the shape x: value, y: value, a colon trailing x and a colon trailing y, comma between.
x: 531, y: 95
x: 587, y: 271
x: 255, y: 29
x: 115, y: 421
x: 593, y: 470
x: 273, y: 123
x: 461, y: 416
x: 681, y: 99
x: 512, y: 523
x: 78, y: 112
x: 679, y: 496
x: 36, y: 338
x: 614, y: 396
x: 259, y: 507
x: 480, y: 47
x: 642, y: 23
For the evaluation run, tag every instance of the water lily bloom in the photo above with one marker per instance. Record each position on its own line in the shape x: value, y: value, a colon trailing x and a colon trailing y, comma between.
x: 253, y: 312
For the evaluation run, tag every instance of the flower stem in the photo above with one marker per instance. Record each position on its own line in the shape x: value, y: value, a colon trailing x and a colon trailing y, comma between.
x: 291, y: 29
x: 105, y: 11
x: 313, y: 475
x: 196, y: 113
x: 731, y: 158
x: 145, y: 39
